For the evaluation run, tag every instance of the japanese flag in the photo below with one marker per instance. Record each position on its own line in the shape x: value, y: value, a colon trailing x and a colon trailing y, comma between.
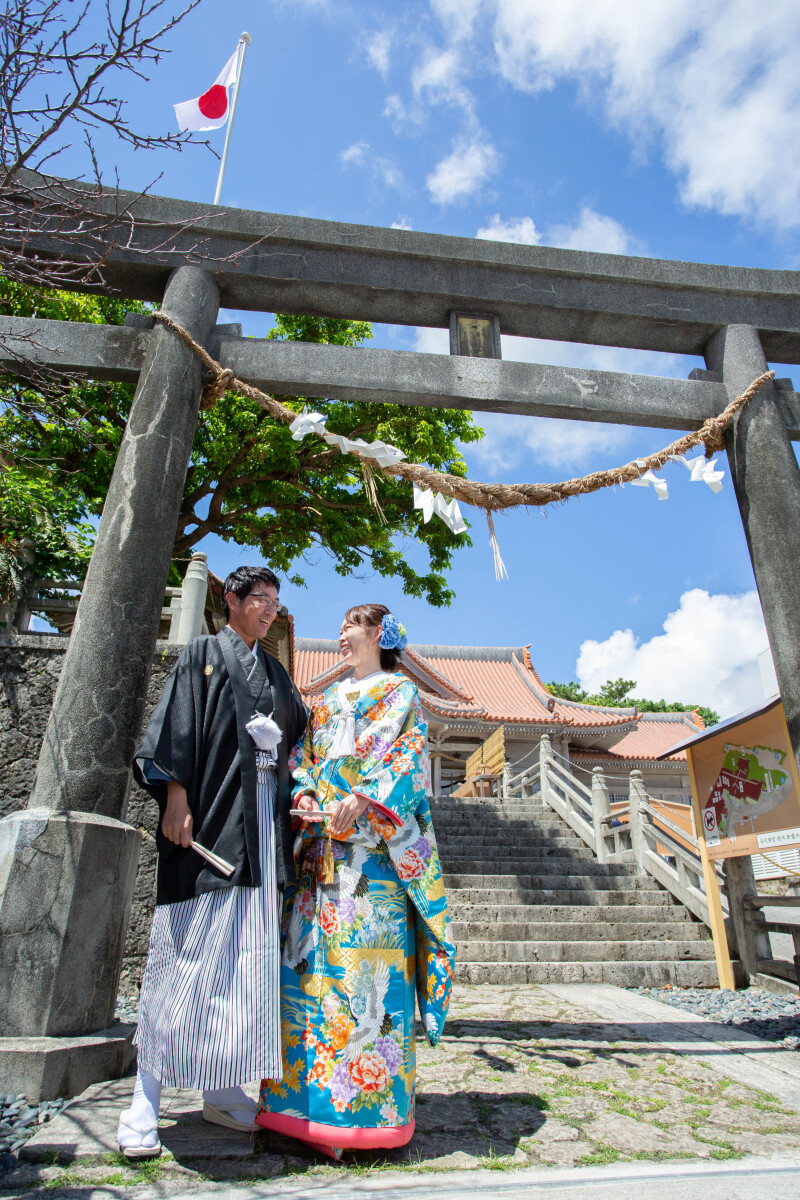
x: 210, y: 111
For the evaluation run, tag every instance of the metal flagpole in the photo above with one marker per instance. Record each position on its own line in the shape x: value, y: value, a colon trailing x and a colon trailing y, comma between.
x: 244, y: 42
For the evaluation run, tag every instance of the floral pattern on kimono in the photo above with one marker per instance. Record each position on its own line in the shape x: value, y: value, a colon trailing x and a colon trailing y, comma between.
x: 356, y: 949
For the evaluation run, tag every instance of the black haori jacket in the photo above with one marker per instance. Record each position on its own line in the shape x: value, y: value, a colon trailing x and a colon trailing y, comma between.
x: 197, y: 737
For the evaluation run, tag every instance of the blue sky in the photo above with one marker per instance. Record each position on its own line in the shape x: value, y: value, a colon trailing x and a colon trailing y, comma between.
x: 667, y: 129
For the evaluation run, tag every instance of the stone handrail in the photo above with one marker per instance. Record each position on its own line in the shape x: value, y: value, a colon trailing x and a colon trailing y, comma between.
x: 565, y: 794
x: 660, y: 848
x: 186, y: 611
x: 683, y: 878
x: 522, y: 785
x: 588, y: 813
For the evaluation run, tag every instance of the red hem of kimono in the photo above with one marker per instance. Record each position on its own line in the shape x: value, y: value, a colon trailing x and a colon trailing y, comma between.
x: 386, y: 1137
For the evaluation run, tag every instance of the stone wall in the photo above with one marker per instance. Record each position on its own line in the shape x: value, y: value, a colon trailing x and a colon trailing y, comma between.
x: 30, y: 665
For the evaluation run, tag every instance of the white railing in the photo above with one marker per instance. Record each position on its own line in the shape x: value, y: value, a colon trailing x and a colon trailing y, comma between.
x: 186, y: 611
x: 636, y: 833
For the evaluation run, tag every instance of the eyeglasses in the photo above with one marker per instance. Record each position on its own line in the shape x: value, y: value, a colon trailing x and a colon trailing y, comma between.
x: 265, y: 601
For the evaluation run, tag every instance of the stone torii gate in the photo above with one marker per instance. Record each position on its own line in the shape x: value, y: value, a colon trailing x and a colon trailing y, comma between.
x: 68, y: 862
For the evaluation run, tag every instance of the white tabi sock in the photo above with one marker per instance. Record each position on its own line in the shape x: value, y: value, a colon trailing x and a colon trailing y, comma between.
x: 233, y: 1100
x: 146, y: 1100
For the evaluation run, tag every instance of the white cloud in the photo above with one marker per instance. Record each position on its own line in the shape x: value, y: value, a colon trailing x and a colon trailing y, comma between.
x: 388, y: 172
x: 396, y: 112
x: 383, y: 170
x: 706, y: 654
x: 511, y: 441
x: 457, y: 17
x: 714, y: 84
x: 403, y: 223
x: 592, y: 231
x: 377, y: 49
x: 432, y: 341
x: 356, y: 153
x: 518, y: 229
x: 437, y: 80
x: 594, y: 358
x: 464, y: 171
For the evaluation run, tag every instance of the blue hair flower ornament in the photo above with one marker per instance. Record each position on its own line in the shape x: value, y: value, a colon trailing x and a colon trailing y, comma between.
x: 393, y: 634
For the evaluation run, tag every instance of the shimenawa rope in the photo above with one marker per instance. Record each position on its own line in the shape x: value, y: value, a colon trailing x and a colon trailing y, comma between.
x: 488, y: 496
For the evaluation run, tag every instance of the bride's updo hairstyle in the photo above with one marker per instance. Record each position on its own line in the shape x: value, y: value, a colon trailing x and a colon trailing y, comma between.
x: 393, y: 638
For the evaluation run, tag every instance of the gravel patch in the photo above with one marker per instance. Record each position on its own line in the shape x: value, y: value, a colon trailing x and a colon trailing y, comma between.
x: 19, y: 1120
x: 764, y: 1014
x: 127, y: 1010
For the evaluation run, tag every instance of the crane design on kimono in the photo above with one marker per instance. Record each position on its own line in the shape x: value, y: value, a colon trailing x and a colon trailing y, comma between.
x: 350, y: 877
x: 298, y: 951
x: 399, y: 842
x: 300, y: 948
x: 374, y: 1020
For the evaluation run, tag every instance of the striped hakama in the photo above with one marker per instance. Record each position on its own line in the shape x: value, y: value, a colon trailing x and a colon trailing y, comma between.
x: 209, y: 1011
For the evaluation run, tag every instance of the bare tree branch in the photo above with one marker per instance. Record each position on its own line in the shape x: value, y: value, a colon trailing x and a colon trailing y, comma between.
x: 61, y: 63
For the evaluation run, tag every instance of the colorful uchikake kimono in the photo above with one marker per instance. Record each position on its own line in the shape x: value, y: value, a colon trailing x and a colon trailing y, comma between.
x: 355, y: 947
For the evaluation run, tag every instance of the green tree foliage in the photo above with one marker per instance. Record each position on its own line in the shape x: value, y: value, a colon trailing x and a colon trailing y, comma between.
x: 57, y: 447
x: 614, y: 694
x: 248, y: 481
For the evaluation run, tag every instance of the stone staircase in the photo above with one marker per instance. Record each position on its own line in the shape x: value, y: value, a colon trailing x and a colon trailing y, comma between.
x: 531, y: 904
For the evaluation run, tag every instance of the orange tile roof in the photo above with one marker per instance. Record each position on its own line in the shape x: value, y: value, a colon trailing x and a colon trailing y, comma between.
x: 490, y: 684
x: 654, y: 734
x: 311, y: 663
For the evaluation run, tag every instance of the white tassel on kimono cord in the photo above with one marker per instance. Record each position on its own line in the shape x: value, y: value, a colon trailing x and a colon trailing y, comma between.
x: 265, y: 732
x: 344, y: 739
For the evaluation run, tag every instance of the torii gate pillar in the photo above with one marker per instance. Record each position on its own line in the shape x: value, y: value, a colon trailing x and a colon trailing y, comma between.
x: 766, y: 479
x: 68, y: 861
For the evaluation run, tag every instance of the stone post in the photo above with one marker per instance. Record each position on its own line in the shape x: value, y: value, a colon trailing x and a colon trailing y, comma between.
x: 174, y: 618
x: 637, y: 796
x: 68, y: 862
x: 766, y: 480
x: 436, y: 763
x: 600, y: 809
x: 193, y: 599
x: 752, y: 943
x: 544, y: 759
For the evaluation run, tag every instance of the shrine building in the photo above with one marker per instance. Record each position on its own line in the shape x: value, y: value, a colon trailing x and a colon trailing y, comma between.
x: 468, y: 692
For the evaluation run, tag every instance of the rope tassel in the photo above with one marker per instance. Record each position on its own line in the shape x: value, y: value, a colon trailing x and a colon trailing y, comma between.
x: 500, y: 571
x: 371, y: 491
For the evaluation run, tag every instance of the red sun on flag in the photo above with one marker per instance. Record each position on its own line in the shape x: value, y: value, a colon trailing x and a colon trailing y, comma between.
x: 213, y: 103
x: 210, y: 111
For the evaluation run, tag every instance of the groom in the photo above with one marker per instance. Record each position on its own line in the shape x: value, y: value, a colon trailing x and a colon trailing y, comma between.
x: 209, y: 1009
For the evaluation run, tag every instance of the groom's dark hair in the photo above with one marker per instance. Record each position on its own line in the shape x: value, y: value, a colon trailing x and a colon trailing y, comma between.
x: 242, y: 581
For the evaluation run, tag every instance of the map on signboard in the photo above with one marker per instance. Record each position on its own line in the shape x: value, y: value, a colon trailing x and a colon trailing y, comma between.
x: 751, y: 782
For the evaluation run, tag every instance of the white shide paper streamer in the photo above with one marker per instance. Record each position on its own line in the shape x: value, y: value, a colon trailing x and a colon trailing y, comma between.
x: 385, y: 455
x: 702, y: 469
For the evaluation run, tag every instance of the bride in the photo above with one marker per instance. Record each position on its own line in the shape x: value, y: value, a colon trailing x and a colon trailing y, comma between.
x: 369, y: 918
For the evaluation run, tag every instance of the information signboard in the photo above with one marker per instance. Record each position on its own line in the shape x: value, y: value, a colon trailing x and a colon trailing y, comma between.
x: 747, y: 789
x: 746, y: 796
